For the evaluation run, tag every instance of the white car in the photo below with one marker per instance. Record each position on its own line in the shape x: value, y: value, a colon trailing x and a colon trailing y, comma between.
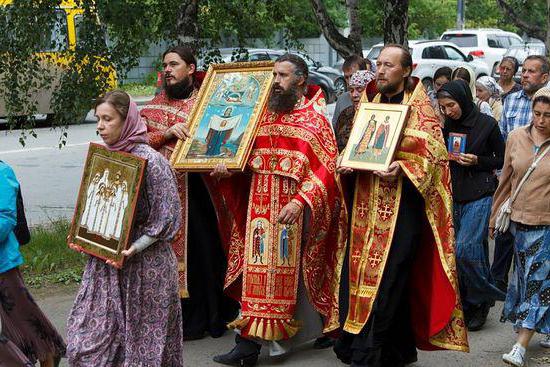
x: 428, y: 56
x: 485, y: 44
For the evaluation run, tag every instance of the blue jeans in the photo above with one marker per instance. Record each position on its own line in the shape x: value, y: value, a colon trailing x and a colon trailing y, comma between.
x: 471, y: 222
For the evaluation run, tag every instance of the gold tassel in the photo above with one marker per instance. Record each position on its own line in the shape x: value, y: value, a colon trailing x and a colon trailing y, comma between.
x: 253, y: 327
x: 260, y: 329
x: 269, y: 330
x: 239, y: 323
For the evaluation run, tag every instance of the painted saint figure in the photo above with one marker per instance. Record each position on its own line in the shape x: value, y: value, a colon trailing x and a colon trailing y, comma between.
x: 89, y: 208
x: 258, y: 242
x: 283, y: 246
x: 366, y: 137
x: 219, y: 131
x: 381, y: 137
x: 100, y: 202
x: 119, y: 190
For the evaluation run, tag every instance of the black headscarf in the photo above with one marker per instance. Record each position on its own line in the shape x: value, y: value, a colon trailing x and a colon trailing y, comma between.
x: 460, y: 91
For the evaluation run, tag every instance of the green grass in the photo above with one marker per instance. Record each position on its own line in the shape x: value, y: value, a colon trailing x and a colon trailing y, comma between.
x: 48, y: 259
x: 138, y: 89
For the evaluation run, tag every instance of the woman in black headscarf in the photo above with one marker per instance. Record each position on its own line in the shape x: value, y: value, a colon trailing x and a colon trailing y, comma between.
x: 476, y: 150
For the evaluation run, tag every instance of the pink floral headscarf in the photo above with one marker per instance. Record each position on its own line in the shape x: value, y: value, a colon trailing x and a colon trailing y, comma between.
x: 361, y: 78
x: 134, y: 131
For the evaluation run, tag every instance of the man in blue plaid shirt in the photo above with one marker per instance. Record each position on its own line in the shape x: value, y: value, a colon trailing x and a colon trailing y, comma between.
x: 516, y: 113
x: 517, y: 107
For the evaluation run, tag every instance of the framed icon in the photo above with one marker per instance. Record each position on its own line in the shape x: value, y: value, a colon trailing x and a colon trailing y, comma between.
x: 106, y: 203
x: 375, y: 136
x: 456, y: 145
x: 224, y: 120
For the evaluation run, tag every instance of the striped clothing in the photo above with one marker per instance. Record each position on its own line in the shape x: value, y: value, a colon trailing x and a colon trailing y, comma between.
x: 516, y: 112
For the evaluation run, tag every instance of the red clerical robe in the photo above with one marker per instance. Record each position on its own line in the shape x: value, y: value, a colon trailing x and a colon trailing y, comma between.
x: 436, y: 313
x: 293, y: 159
x: 160, y: 114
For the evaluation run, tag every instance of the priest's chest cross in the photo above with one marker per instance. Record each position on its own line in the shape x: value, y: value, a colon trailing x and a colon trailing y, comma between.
x: 375, y: 258
x: 356, y: 256
x: 386, y: 212
x: 362, y: 209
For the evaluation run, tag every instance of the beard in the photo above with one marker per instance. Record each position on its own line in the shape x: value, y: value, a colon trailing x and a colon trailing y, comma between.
x: 388, y: 88
x: 531, y: 88
x: 281, y: 100
x: 179, y: 90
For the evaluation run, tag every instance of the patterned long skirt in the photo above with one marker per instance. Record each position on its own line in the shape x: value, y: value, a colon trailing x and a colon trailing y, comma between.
x: 25, y: 329
x: 528, y: 301
x: 129, y: 317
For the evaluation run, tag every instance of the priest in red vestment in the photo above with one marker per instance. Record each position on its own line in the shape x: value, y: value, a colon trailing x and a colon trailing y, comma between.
x: 198, y: 248
x: 288, y: 219
x: 403, y: 288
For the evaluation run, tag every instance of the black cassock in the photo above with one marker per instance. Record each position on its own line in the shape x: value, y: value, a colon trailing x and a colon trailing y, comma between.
x: 207, y: 310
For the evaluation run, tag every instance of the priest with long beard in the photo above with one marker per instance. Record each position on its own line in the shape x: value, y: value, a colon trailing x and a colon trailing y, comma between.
x: 291, y: 190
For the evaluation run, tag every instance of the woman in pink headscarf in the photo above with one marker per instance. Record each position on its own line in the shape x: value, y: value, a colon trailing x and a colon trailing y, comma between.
x: 132, y: 316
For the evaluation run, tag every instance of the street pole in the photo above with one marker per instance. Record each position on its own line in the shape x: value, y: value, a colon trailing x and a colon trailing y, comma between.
x: 460, y: 14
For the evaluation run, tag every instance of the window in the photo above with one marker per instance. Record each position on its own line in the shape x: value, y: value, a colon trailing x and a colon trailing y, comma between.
x: 454, y: 54
x: 55, y: 39
x: 434, y: 52
x: 514, y: 41
x: 461, y: 39
x: 504, y: 41
x: 493, y: 41
x: 374, y: 53
x: 259, y: 57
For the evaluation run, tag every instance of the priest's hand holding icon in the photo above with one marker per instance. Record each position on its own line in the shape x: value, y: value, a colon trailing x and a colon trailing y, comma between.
x: 290, y: 213
x: 220, y: 172
x: 344, y: 170
x: 179, y: 131
x: 394, y: 170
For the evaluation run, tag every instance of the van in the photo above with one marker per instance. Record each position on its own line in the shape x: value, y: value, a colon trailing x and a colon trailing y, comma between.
x: 59, y: 42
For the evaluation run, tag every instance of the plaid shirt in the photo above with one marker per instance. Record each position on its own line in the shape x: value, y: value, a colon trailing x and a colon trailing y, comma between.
x: 516, y: 112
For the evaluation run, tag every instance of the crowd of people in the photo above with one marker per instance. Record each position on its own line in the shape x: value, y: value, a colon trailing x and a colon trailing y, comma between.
x: 296, y: 248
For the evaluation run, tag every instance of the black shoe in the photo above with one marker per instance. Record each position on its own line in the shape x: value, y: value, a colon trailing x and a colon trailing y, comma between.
x: 478, y: 319
x: 244, y: 354
x: 323, y: 342
x: 342, y: 349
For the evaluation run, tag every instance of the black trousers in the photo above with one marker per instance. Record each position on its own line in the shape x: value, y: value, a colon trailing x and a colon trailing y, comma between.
x: 387, y: 339
x: 503, y: 256
x: 208, y: 309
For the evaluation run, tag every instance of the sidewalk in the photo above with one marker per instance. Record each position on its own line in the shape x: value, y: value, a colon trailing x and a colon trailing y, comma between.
x: 486, y: 346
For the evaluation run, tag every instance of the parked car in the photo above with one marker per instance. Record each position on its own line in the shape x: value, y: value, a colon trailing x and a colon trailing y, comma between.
x: 329, y: 79
x: 521, y: 52
x: 485, y: 44
x: 428, y: 56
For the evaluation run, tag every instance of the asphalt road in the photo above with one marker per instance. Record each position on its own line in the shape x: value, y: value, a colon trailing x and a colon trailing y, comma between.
x: 49, y: 176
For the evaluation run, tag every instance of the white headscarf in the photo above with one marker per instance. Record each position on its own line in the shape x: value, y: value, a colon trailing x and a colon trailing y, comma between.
x: 490, y: 84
